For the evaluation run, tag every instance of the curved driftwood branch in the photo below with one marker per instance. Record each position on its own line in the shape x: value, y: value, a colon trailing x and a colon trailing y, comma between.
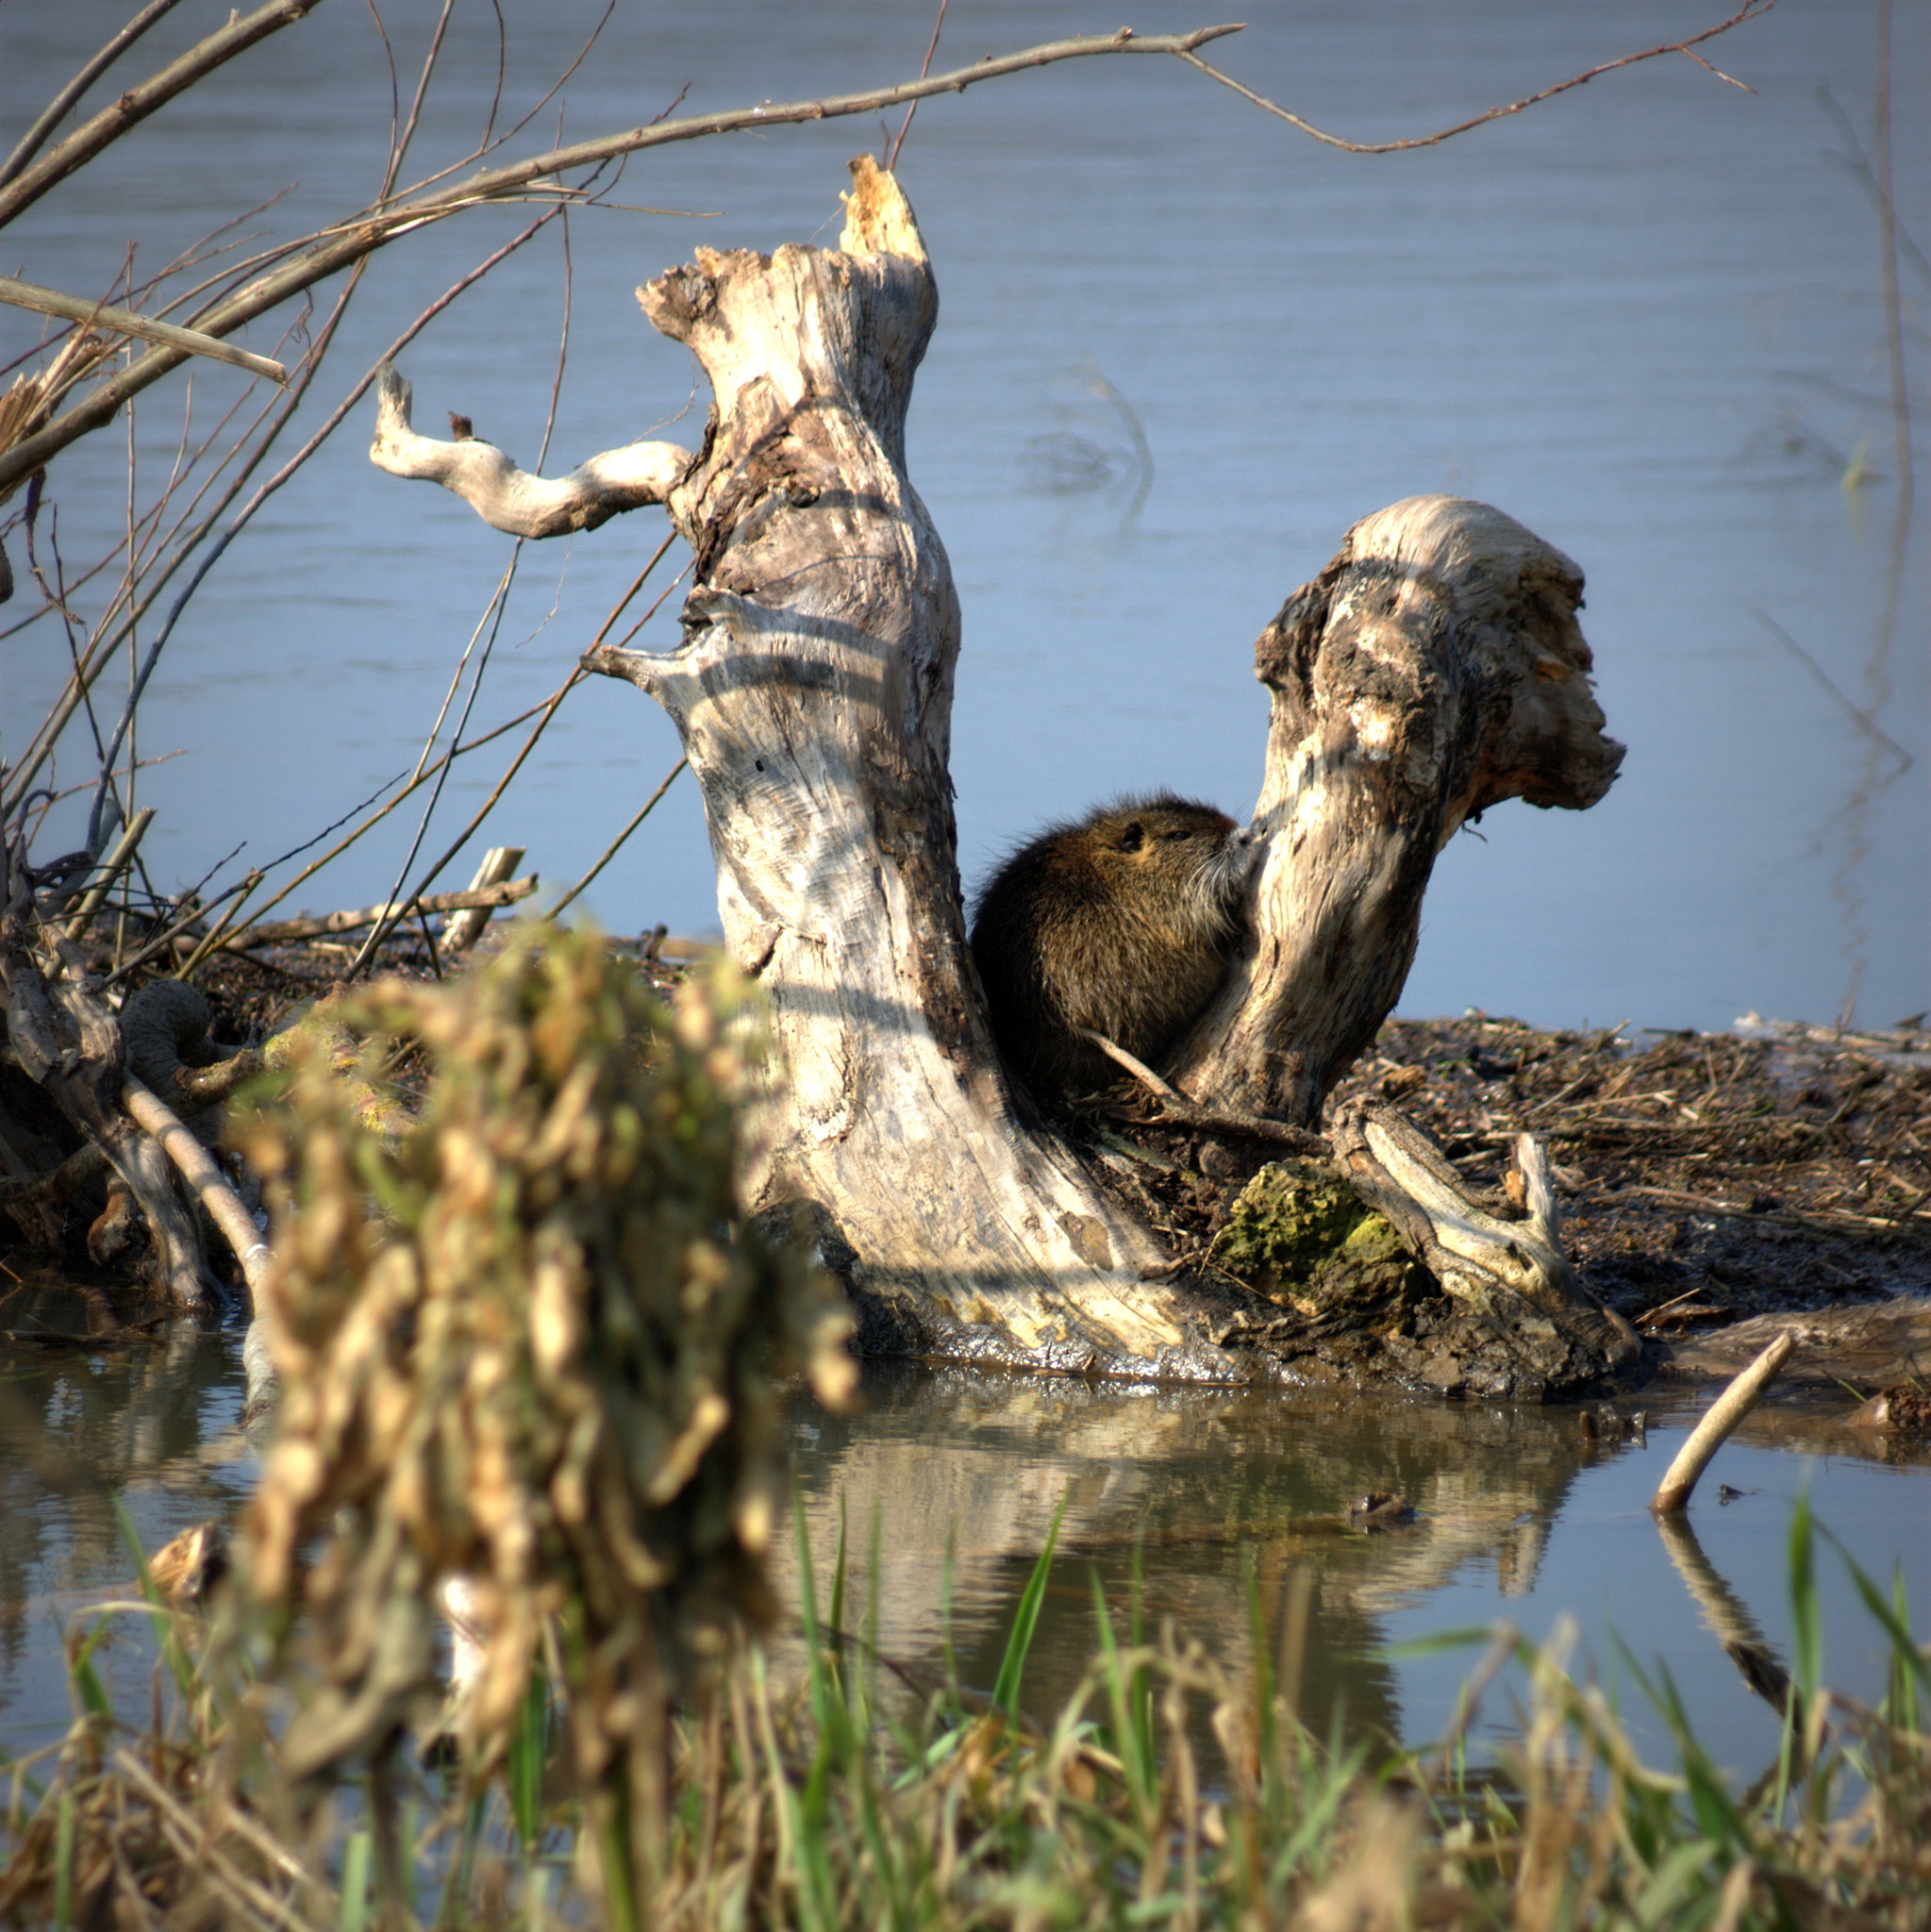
x: 1717, y: 1427
x: 1512, y: 1274
x: 508, y: 498
x: 1432, y: 669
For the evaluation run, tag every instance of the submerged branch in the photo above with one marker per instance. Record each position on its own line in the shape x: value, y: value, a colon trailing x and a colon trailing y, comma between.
x: 1716, y: 1428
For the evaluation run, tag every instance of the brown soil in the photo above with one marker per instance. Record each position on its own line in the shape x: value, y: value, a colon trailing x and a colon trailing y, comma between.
x: 1705, y: 1179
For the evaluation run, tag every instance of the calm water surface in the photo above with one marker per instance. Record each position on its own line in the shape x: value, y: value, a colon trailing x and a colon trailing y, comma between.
x: 1521, y: 1518
x: 1644, y: 318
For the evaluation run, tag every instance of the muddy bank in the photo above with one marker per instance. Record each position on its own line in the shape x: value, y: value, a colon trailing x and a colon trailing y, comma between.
x: 1705, y: 1179
x: 1709, y: 1184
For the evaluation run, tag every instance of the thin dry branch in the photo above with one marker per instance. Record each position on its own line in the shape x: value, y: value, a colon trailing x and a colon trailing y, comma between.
x: 116, y: 862
x: 616, y: 844
x: 137, y: 103
x: 1749, y: 10
x: 76, y: 691
x: 56, y: 110
x: 1177, y: 1110
x: 124, y: 322
x: 475, y: 899
x: 377, y: 225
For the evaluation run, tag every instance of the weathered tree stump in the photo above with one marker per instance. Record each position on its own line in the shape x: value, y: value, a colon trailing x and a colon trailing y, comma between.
x: 1433, y: 669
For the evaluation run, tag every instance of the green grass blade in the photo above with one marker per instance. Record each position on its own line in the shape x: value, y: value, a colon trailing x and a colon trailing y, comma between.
x: 173, y: 1654
x: 63, y: 1863
x: 89, y: 1691
x: 1026, y: 1620
x: 1892, y: 1617
x: 353, y: 1913
x: 834, y: 1619
x: 524, y: 1766
x: 1807, y: 1630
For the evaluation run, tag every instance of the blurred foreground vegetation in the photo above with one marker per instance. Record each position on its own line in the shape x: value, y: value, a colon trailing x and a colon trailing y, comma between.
x: 529, y: 1351
x: 832, y: 1799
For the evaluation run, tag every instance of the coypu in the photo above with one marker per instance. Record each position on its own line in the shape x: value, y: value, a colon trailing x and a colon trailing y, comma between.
x: 1120, y: 922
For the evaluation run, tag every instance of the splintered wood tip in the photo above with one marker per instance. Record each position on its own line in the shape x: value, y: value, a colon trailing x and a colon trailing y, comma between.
x: 879, y: 218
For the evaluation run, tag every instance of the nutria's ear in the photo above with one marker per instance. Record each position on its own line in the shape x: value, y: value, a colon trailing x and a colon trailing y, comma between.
x: 1132, y: 836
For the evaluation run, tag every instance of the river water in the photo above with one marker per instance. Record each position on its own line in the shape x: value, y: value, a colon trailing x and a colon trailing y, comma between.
x: 1645, y: 318
x: 1180, y: 349
x: 956, y: 1478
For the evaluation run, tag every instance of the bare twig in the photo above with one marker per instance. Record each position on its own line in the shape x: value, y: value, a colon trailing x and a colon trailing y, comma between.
x: 75, y: 694
x: 137, y: 103
x: 380, y: 930
x: 615, y: 845
x: 1887, y: 264
x: 1715, y: 1429
x: 891, y: 160
x: 1177, y: 1110
x: 375, y: 228
x: 166, y: 938
x: 246, y: 936
x: 1864, y: 722
x: 56, y: 110
x: 117, y: 861
x: 1749, y: 10
x: 156, y: 1118
x: 473, y: 899
x: 218, y: 931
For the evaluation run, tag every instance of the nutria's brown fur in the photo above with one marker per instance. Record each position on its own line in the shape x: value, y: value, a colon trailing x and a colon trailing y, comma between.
x: 1120, y: 922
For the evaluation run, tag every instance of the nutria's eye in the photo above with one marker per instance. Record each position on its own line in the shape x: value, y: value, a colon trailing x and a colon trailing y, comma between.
x: 1133, y: 837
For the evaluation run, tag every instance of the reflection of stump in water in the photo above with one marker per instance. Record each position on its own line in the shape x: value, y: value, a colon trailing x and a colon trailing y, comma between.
x: 1196, y: 1490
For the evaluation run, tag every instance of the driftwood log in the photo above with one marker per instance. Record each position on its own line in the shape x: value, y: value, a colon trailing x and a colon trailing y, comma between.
x: 1433, y: 669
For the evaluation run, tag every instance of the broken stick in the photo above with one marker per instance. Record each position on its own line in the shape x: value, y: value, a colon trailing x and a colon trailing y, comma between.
x: 1714, y: 1430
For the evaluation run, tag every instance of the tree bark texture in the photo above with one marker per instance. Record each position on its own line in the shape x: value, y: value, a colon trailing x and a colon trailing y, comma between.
x: 814, y: 697
x: 1434, y: 668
